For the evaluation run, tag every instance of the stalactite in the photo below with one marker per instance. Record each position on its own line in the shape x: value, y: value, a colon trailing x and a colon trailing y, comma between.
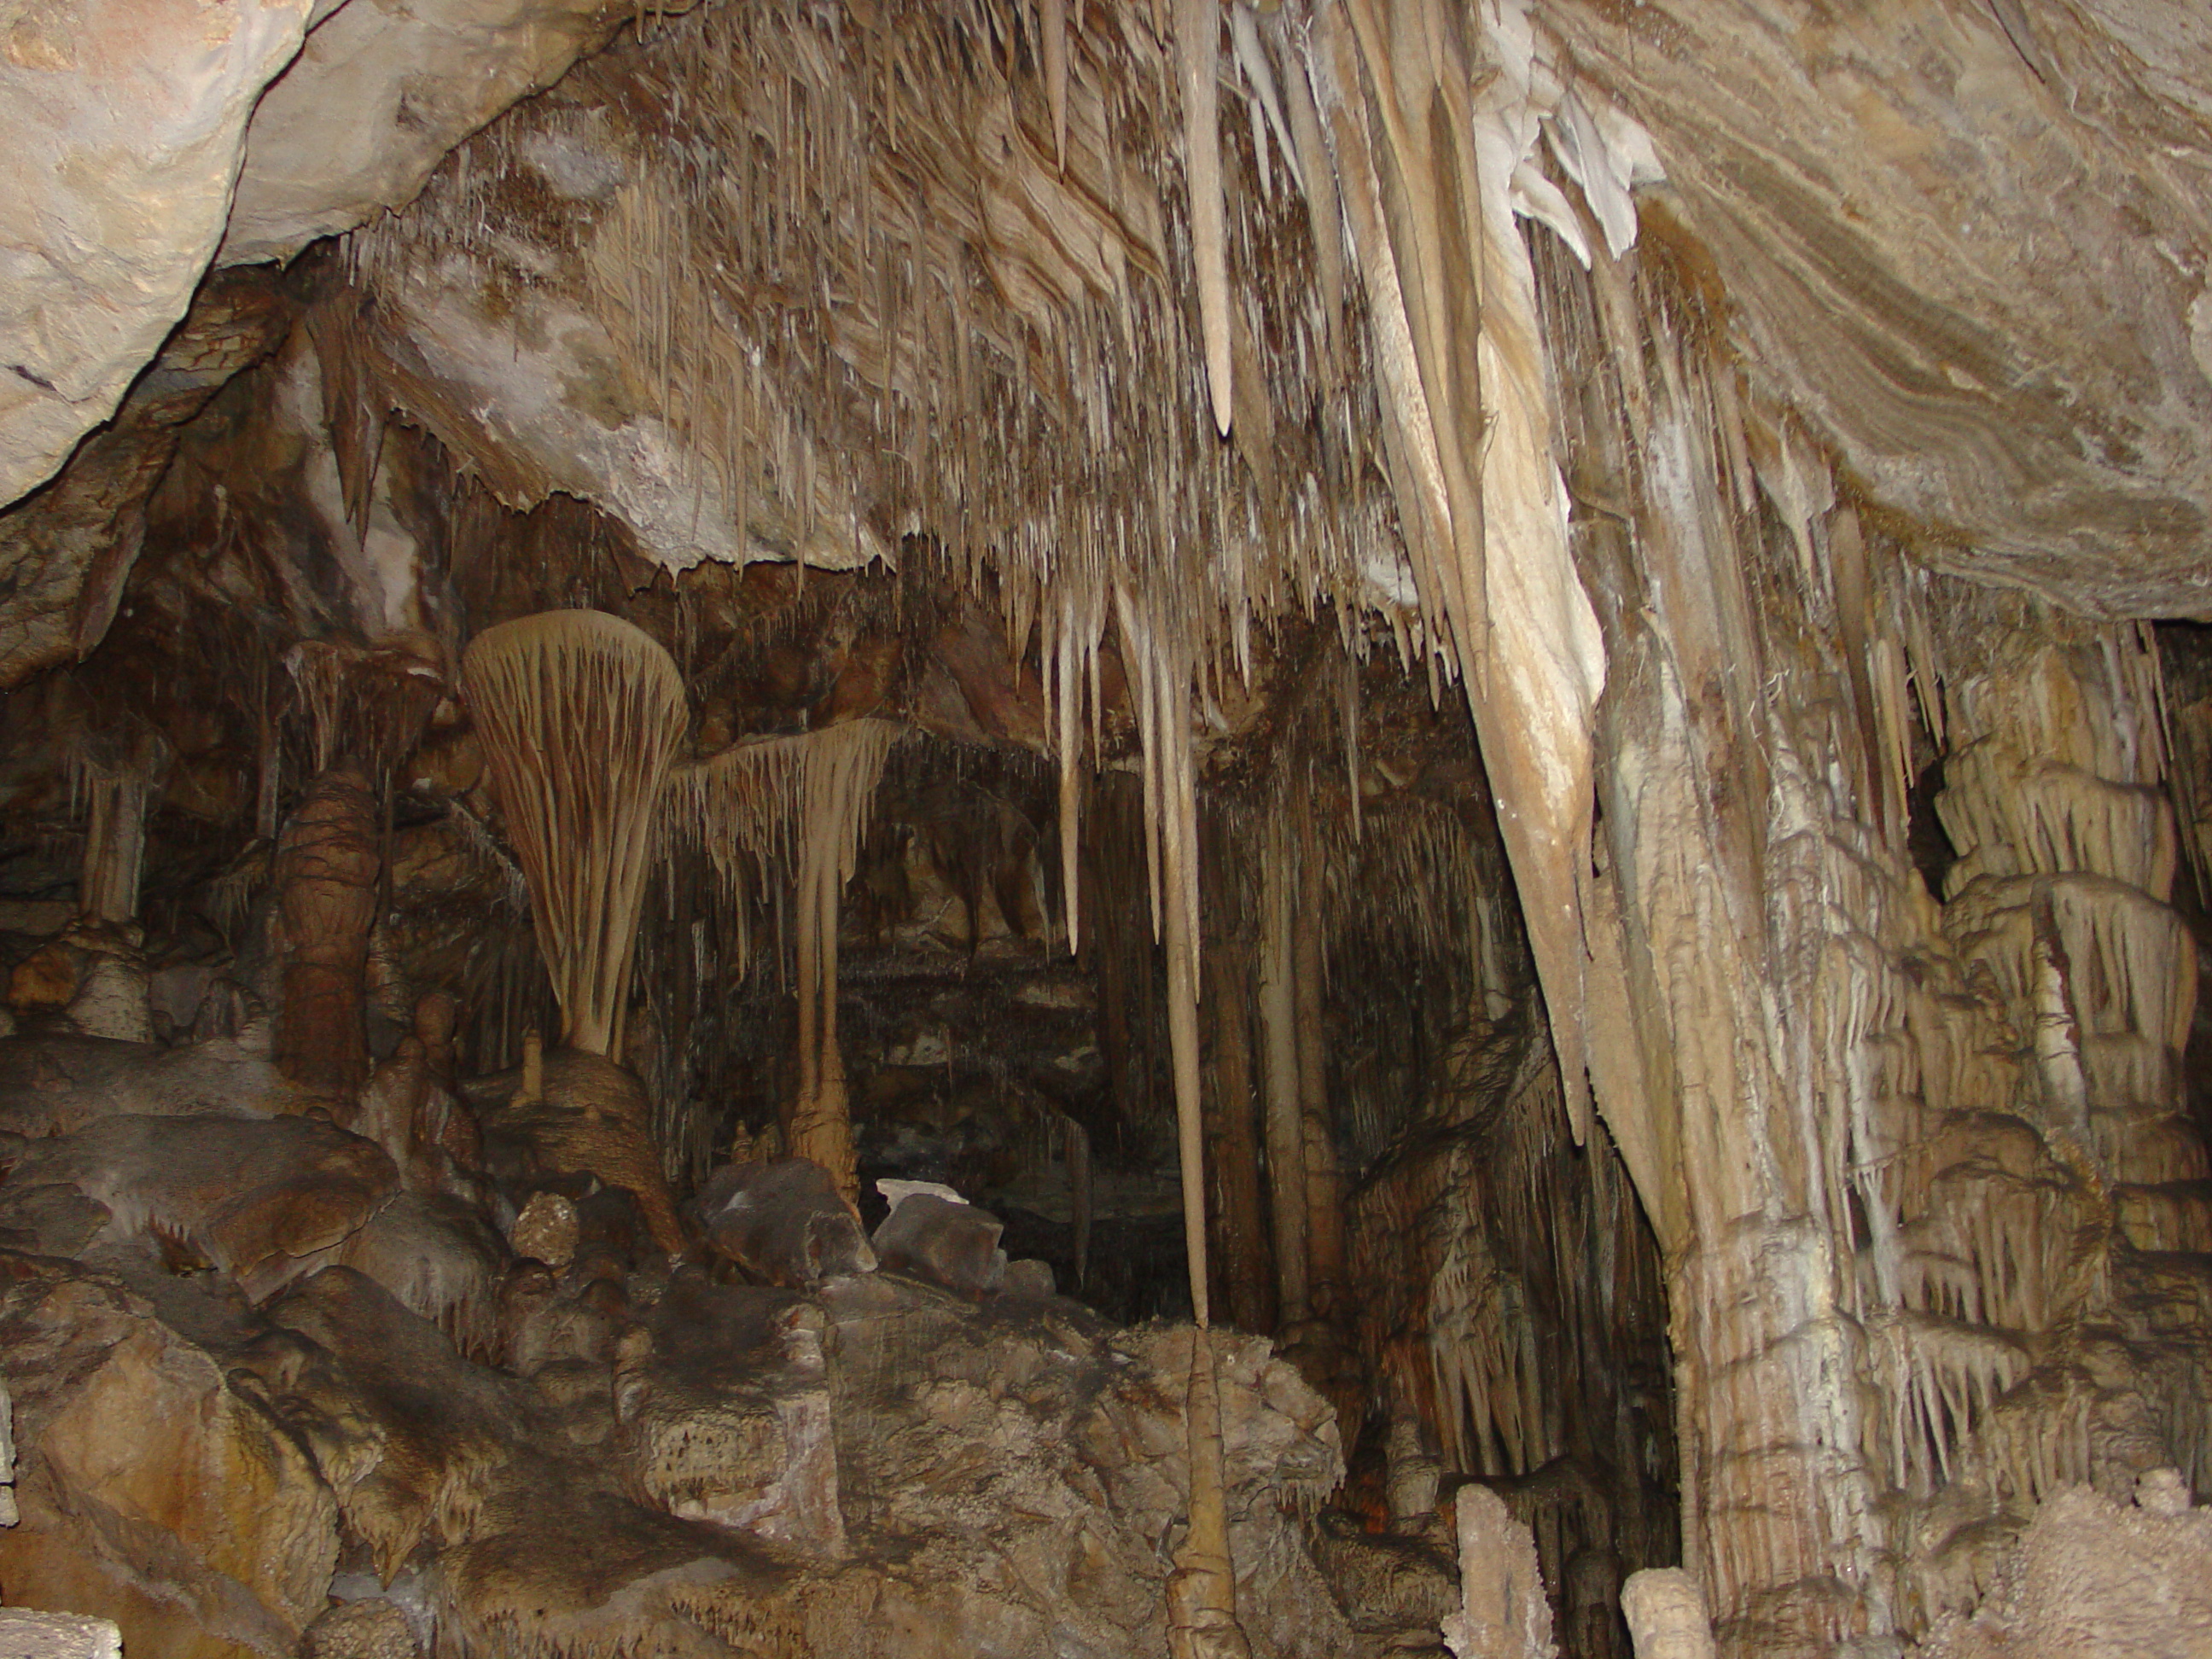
x: 802, y: 803
x: 580, y: 714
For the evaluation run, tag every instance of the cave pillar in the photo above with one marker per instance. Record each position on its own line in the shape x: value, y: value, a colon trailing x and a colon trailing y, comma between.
x: 1733, y: 978
x: 328, y: 860
x: 1244, y: 1271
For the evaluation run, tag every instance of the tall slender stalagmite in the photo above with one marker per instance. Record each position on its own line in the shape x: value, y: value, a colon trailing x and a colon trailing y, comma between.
x: 580, y: 714
x: 1202, y: 1590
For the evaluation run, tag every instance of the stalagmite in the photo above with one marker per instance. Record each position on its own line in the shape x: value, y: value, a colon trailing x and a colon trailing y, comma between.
x: 1666, y: 1615
x: 1502, y: 1613
x: 580, y: 714
x: 326, y: 884
x: 1202, y: 1621
x: 114, y: 842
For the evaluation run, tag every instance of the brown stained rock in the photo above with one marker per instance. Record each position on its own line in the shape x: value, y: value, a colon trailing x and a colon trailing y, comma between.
x: 442, y: 1261
x: 594, y: 1119
x: 44, y: 980
x: 947, y: 1243
x: 67, y: 548
x: 725, y: 1413
x: 152, y: 1492
x: 266, y: 1200
x: 413, y: 1437
x: 325, y: 886
x: 54, y: 1085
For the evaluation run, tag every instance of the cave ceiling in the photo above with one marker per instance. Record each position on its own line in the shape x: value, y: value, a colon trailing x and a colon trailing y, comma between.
x: 764, y: 282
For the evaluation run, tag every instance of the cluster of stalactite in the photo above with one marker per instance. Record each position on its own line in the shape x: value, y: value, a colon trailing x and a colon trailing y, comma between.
x: 1909, y: 1135
x: 1920, y: 1141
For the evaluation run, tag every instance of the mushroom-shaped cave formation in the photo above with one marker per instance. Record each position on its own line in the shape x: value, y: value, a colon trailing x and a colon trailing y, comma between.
x: 1304, y: 829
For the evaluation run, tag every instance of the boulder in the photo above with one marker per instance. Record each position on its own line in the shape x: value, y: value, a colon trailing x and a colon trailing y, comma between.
x: 153, y: 1493
x: 783, y: 1223
x: 947, y: 1242
x: 266, y: 1199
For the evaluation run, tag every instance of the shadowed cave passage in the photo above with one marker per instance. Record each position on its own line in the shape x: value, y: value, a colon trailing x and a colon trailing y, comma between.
x: 1351, y: 828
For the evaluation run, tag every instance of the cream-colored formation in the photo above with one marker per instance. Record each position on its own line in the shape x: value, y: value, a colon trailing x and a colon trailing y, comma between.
x: 580, y: 715
x: 802, y: 802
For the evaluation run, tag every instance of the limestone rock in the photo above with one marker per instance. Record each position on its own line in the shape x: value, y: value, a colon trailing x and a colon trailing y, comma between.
x: 374, y: 1629
x: 727, y: 1415
x: 411, y: 1437
x: 376, y: 98
x: 783, y: 1223
x: 1825, y: 171
x: 594, y: 1119
x: 1022, y: 1465
x: 1502, y: 1613
x: 1029, y: 1280
x: 1388, y: 1585
x: 55, y: 1085
x: 28, y: 1635
x: 152, y: 1492
x: 546, y: 1231
x: 111, y: 1001
x: 264, y: 1199
x: 69, y: 547
x: 441, y: 1260
x: 1666, y: 1614
x: 124, y: 124
x: 2090, y: 1579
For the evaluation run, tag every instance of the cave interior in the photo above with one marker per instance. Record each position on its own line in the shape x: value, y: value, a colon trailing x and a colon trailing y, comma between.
x: 1059, y: 829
